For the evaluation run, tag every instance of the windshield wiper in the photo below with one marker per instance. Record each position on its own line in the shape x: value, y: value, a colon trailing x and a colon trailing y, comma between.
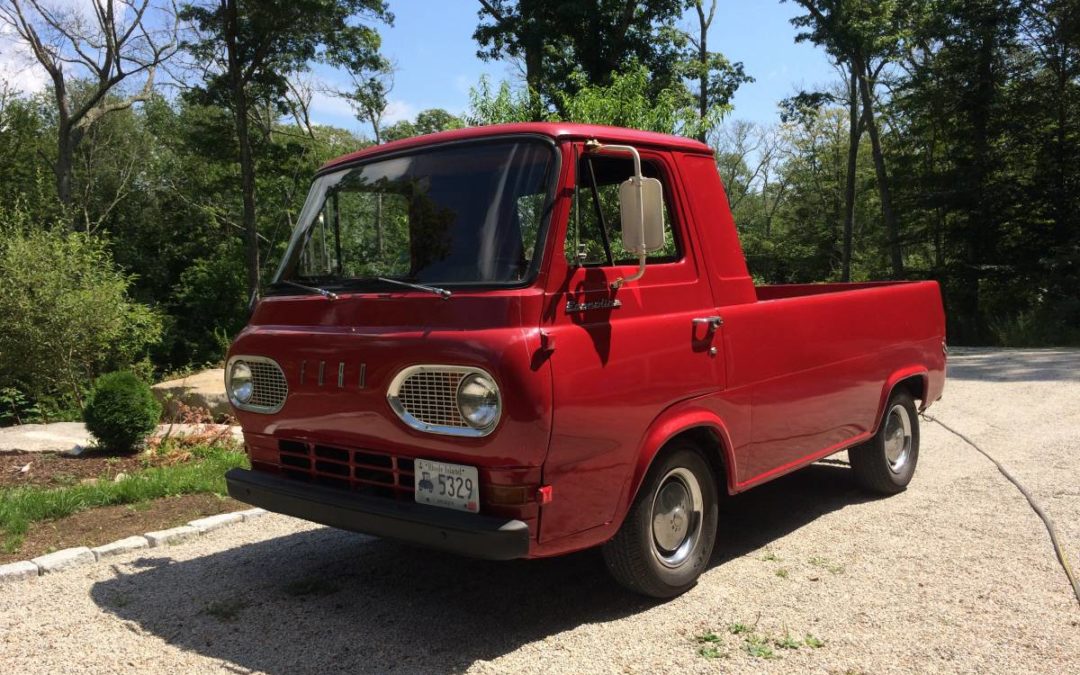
x: 329, y: 295
x: 441, y: 292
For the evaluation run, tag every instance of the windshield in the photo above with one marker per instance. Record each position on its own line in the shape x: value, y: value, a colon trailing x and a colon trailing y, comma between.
x: 467, y: 213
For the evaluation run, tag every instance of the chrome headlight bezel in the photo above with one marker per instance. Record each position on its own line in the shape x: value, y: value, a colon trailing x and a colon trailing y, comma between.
x: 404, y: 404
x: 269, y: 388
x: 240, y: 383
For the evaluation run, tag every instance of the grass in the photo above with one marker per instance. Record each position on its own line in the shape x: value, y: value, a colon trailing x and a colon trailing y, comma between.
x: 827, y: 564
x: 225, y: 610
x: 782, y: 573
x: 769, y: 556
x: 757, y: 645
x: 203, y: 473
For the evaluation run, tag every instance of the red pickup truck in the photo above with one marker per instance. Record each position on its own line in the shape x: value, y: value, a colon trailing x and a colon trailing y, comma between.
x: 523, y: 340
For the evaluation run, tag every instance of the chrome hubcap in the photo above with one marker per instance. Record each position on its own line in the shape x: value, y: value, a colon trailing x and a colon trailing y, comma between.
x: 898, y: 438
x: 676, y: 517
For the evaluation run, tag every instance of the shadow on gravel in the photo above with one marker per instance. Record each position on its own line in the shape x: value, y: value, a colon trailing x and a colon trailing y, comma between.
x: 1019, y: 365
x: 331, y: 601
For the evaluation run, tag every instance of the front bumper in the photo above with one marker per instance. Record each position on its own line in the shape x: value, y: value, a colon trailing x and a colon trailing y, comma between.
x: 467, y: 534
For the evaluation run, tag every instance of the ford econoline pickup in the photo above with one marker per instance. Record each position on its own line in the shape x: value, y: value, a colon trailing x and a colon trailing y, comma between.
x: 523, y: 340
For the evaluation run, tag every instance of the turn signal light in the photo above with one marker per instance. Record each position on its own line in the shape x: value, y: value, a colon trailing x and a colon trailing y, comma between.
x: 508, y: 495
x: 544, y: 494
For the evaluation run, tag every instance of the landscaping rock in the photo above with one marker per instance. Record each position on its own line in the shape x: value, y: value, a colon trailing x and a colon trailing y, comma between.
x: 118, y: 547
x: 55, y: 437
x: 214, y: 522
x: 171, y: 536
x: 205, y: 389
x: 62, y: 560
x: 24, y: 569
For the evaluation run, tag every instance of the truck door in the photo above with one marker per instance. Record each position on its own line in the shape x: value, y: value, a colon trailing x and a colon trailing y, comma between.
x: 621, y: 356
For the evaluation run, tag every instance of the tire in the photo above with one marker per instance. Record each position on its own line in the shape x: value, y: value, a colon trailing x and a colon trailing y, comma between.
x: 886, y: 463
x: 680, y: 493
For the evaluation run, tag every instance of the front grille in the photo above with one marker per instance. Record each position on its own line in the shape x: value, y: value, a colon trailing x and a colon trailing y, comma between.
x: 431, y: 397
x: 362, y: 471
x: 269, y: 386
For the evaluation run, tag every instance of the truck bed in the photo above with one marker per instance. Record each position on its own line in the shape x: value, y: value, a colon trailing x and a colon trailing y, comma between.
x: 782, y: 291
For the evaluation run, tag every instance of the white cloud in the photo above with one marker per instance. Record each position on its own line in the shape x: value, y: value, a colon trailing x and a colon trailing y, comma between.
x: 17, y: 64
x: 397, y: 111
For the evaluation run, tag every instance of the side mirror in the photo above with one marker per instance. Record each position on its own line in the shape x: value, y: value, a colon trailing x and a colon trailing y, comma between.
x: 641, y: 206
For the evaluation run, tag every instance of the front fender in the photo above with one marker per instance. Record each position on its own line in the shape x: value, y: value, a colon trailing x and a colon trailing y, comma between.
x: 678, y: 419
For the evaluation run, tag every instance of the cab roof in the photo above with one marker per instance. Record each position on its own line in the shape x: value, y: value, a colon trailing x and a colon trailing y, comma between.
x: 555, y: 130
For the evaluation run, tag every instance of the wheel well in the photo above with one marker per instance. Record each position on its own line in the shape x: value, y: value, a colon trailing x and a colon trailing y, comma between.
x: 914, y: 385
x: 712, y: 447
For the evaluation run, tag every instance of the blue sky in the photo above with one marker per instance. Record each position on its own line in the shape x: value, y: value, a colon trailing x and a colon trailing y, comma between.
x: 431, y: 43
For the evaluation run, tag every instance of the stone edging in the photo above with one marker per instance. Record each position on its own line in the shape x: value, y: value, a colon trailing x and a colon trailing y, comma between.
x: 81, y: 555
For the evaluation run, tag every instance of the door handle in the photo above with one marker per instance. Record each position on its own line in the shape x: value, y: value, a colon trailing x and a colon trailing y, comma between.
x: 713, y: 322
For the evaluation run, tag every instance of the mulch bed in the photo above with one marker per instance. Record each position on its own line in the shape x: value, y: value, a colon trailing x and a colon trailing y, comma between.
x: 95, y: 527
x: 49, y: 469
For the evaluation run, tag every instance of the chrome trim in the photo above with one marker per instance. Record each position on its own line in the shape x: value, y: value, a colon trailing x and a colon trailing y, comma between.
x: 468, y: 431
x: 250, y: 407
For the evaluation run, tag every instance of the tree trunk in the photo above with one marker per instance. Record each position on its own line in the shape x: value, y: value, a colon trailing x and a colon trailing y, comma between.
x: 703, y: 59
x: 65, y: 157
x: 891, y: 226
x: 852, y: 165
x: 247, y: 164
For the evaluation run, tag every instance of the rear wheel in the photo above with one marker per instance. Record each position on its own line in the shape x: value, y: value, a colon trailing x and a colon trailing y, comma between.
x: 886, y: 463
x: 667, y: 538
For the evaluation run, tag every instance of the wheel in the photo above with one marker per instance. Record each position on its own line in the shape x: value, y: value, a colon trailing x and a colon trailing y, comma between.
x: 886, y: 463
x: 667, y: 538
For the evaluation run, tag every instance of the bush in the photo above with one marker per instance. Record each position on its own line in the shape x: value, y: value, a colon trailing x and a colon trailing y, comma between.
x: 67, y: 315
x: 121, y: 411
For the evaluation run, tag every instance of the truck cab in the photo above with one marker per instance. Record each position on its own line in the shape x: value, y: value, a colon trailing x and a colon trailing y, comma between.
x: 526, y: 340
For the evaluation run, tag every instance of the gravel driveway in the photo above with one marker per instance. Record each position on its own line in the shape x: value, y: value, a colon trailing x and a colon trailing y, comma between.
x: 954, y: 575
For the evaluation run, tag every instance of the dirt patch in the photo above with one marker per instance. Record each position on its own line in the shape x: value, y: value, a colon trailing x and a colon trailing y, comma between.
x: 109, y: 523
x: 49, y: 469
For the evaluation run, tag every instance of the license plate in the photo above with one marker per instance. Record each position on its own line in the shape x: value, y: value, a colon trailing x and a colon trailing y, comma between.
x: 451, y: 486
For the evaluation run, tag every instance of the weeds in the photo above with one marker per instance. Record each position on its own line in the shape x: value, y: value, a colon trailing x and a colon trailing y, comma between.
x: 758, y: 647
x: 782, y: 573
x: 813, y: 642
x: 738, y: 628
x: 225, y: 610
x: 826, y: 564
x: 769, y: 556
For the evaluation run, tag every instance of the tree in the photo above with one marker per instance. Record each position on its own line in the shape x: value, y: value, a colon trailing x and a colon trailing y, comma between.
x: 430, y: 121
x: 125, y: 40
x: 858, y: 32
x: 717, y: 78
x: 592, y: 38
x: 251, y: 50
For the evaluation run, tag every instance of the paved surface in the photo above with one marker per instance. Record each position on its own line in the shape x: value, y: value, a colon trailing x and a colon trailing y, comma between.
x: 954, y: 575
x: 70, y: 436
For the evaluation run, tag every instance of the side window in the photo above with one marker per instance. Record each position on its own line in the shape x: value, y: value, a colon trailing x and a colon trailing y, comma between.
x: 593, y: 237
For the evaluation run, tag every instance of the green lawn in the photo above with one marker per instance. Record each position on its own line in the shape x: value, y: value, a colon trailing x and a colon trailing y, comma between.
x: 204, y: 473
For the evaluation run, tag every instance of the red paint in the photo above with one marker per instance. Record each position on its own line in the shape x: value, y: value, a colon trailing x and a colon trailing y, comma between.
x: 799, y: 373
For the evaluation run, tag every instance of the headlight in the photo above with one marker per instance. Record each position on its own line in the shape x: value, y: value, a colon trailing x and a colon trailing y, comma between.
x: 240, y: 385
x: 478, y: 400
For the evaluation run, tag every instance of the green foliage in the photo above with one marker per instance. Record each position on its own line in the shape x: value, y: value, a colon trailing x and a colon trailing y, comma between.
x: 68, y: 316
x: 121, y: 411
x: 630, y: 100
x: 427, y: 122
x: 20, y: 507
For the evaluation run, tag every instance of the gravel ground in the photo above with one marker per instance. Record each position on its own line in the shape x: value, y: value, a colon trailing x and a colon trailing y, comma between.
x: 954, y: 575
